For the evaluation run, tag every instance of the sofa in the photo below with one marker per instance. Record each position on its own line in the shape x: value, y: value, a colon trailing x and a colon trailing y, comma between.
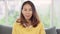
x: 8, y: 30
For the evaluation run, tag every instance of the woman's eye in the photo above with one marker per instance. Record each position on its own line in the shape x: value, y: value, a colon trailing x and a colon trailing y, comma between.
x: 25, y: 9
x: 30, y: 9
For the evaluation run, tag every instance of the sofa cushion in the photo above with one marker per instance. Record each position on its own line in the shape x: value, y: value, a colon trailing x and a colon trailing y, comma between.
x: 51, y: 31
x: 58, y: 31
x: 0, y: 29
x: 5, y: 30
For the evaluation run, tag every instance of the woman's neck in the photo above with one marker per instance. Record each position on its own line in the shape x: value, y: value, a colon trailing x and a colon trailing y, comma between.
x: 28, y: 22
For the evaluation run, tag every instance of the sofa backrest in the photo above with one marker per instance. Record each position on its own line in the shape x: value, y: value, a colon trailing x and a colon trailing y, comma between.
x: 51, y: 30
x: 5, y: 29
x: 8, y: 30
x: 58, y: 31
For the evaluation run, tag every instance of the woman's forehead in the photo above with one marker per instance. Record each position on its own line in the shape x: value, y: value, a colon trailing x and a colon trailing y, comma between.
x: 27, y: 6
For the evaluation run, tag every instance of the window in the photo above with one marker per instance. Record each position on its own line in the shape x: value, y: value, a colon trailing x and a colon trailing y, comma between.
x: 13, y: 8
x: 56, y: 11
x: 2, y: 12
x: 48, y: 11
x: 9, y: 11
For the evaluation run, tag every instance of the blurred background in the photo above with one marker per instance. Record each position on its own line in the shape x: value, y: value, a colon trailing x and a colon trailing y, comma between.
x: 48, y: 11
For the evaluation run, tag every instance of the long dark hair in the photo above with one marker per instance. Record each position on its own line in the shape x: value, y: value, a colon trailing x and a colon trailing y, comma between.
x: 34, y: 19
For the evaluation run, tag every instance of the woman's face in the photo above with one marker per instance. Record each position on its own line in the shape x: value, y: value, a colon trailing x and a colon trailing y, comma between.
x: 27, y: 11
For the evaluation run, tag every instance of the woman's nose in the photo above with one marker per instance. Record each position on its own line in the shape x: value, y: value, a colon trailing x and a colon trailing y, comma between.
x: 27, y: 12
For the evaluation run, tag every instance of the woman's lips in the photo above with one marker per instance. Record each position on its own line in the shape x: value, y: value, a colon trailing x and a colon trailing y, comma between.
x: 27, y: 16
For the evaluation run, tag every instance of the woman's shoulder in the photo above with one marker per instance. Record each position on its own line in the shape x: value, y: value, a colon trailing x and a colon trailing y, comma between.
x: 18, y: 20
x: 40, y: 24
x: 16, y: 24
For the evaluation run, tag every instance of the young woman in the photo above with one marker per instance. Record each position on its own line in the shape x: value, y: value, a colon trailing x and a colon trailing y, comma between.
x: 28, y: 23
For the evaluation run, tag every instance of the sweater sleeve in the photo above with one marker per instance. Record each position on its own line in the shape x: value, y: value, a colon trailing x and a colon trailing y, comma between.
x: 42, y: 30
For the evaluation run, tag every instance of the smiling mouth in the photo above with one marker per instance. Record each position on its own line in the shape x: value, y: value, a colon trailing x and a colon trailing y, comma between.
x: 27, y: 16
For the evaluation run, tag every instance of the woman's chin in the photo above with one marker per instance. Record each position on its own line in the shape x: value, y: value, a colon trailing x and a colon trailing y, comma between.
x: 27, y: 18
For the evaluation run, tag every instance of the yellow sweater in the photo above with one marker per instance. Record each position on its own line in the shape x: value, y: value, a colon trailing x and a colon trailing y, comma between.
x: 19, y: 29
